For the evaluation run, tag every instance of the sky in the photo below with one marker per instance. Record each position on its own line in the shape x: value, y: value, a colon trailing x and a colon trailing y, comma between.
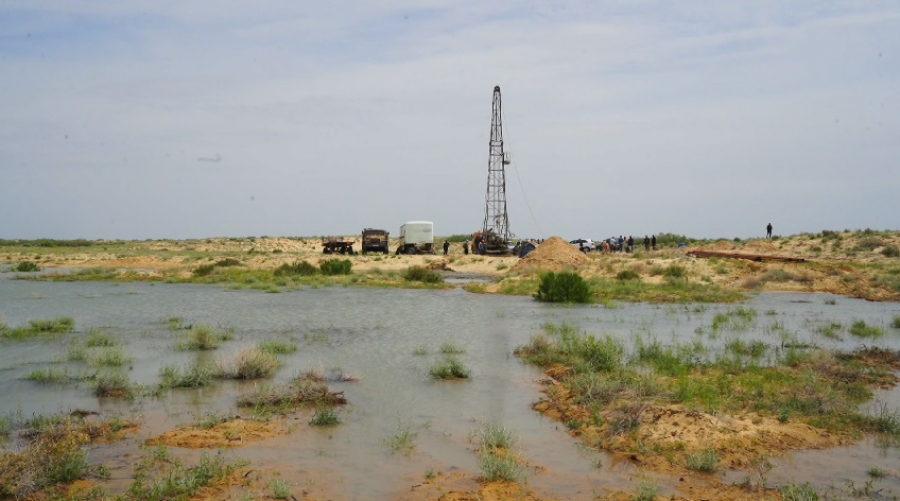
x: 193, y: 119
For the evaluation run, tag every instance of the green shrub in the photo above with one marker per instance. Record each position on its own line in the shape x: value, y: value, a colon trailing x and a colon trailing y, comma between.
x: 301, y: 268
x: 201, y: 337
x: 27, y: 266
x: 563, y: 287
x: 422, y: 274
x: 500, y: 467
x: 675, y: 271
x: 114, y: 385
x: 203, y: 270
x: 628, y: 275
x: 193, y: 376
x: 335, y: 267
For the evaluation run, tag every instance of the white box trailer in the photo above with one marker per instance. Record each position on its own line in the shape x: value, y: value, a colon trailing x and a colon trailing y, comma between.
x: 416, y: 237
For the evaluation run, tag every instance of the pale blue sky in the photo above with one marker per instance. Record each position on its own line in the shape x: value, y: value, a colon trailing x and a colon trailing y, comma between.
x: 192, y: 119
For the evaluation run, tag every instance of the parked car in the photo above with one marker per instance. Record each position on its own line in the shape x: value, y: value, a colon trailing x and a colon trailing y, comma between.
x: 583, y: 244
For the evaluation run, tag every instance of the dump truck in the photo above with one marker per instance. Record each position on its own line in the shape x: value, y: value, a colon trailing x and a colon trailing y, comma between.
x: 375, y: 240
x: 416, y: 237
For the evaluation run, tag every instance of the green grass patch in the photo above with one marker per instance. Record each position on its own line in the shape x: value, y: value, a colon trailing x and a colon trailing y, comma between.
x: 36, y: 328
x: 706, y: 461
x: 859, y: 328
x: 449, y: 368
x: 325, y: 416
x: 202, y: 338
x: 277, y: 346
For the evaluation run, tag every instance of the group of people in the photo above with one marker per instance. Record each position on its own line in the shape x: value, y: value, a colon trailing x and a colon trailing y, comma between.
x: 477, y: 246
x: 625, y: 243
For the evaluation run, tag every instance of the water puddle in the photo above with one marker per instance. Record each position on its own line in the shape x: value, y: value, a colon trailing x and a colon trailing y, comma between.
x: 390, y: 338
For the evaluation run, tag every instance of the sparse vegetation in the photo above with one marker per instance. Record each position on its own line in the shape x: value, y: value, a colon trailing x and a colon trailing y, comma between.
x: 335, y: 267
x: 859, y: 328
x: 202, y: 337
x: 422, y: 274
x: 403, y: 440
x: 325, y: 416
x: 249, y: 363
x: 298, y: 268
x: 449, y: 368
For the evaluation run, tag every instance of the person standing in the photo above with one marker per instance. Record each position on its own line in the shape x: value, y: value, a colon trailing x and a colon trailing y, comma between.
x: 653, y: 242
x: 646, y: 243
x: 466, y: 247
x: 769, y: 230
x: 446, y: 246
x: 630, y: 243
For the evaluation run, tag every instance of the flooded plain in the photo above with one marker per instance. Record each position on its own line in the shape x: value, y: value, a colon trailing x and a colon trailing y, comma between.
x: 390, y: 338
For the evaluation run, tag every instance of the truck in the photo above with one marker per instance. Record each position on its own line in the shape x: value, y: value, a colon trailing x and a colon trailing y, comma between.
x: 416, y: 237
x: 375, y: 240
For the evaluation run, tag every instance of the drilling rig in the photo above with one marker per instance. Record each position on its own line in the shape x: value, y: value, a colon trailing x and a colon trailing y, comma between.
x: 495, y: 229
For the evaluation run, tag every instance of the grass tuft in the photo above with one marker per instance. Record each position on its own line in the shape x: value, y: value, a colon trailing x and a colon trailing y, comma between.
x: 449, y: 368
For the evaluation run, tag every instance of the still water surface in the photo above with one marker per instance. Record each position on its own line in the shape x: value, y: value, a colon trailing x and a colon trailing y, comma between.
x: 374, y: 333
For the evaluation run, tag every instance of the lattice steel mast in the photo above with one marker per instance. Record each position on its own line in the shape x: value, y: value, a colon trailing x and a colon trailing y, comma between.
x: 496, y: 220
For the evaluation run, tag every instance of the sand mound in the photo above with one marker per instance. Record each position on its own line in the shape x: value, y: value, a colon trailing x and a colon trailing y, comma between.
x: 554, y: 254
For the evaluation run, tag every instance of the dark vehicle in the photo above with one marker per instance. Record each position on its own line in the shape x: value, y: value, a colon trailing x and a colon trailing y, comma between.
x: 337, y: 246
x: 375, y: 240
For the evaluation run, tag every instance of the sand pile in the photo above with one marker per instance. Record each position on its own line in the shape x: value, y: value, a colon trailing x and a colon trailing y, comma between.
x: 554, y: 254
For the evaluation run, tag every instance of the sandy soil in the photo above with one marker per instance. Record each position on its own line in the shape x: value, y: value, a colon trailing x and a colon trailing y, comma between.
x: 849, y: 267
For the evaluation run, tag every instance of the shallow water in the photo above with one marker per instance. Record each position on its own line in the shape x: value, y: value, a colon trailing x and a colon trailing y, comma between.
x: 373, y: 333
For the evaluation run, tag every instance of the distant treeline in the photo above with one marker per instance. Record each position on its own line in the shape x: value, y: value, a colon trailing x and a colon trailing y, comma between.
x: 46, y: 242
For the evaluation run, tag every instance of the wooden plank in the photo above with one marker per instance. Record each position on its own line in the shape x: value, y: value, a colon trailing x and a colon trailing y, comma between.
x: 749, y: 257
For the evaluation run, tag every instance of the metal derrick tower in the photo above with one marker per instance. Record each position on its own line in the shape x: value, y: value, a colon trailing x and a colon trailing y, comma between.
x: 496, y: 220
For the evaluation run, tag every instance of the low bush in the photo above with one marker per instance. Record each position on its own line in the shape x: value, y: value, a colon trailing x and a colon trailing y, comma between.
x: 249, y: 363
x: 325, y: 416
x: 27, y: 267
x: 563, y: 287
x: 890, y: 251
x: 422, y: 274
x: 705, y: 461
x: 335, y: 267
x: 203, y: 270
x: 450, y: 368
x: 628, y: 275
x: 301, y: 268
x: 675, y: 271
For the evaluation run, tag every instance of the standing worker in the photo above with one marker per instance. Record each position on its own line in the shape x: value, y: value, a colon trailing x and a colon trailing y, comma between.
x: 653, y: 242
x: 769, y: 230
x: 446, y: 246
x: 646, y: 243
x: 466, y: 247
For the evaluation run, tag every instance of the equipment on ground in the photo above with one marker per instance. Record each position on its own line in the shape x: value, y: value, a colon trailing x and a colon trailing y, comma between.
x: 375, y: 240
x: 333, y: 245
x: 495, y: 230
x: 416, y: 237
